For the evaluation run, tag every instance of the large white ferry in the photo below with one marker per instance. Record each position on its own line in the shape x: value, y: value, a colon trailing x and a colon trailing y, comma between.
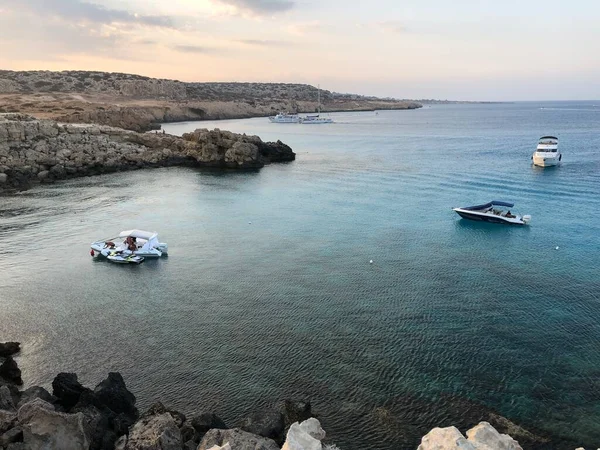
x: 547, y: 154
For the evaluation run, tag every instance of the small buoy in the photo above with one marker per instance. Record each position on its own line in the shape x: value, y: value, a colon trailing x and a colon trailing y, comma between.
x: 371, y: 261
x: 249, y: 223
x: 92, y: 252
x: 557, y: 247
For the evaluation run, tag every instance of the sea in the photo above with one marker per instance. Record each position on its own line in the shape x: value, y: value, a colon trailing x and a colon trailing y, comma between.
x: 343, y: 278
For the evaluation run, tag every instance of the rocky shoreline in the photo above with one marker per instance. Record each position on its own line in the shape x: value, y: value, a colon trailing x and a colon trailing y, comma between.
x: 74, y: 417
x: 36, y: 151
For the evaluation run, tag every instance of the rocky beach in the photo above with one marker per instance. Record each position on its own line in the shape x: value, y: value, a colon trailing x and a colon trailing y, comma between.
x: 75, y: 417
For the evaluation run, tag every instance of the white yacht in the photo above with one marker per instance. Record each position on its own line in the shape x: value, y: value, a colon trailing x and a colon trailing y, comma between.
x: 131, y: 246
x: 283, y: 117
x: 494, y: 211
x: 547, y: 153
x: 315, y: 119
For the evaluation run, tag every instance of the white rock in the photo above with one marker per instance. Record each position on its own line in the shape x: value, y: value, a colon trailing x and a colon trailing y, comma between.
x: 485, y: 437
x: 304, y: 436
x: 480, y: 437
x: 224, y: 447
x: 448, y: 438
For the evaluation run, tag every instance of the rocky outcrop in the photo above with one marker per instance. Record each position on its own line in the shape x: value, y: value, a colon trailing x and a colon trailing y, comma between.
x: 237, y: 440
x: 267, y: 423
x: 306, y: 435
x: 9, y: 349
x: 9, y: 371
x: 40, y: 151
x: 44, y: 428
x: 481, y: 437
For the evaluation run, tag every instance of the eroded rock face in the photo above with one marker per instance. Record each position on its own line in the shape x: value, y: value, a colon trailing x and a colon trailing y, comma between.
x: 304, y: 436
x: 46, y: 429
x: 481, y: 437
x: 34, y: 392
x: 157, y: 432
x: 39, y: 151
x: 237, y: 439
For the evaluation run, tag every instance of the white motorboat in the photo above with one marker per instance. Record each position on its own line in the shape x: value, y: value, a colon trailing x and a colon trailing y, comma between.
x: 494, y: 212
x: 130, y: 244
x: 546, y: 153
x: 285, y: 118
x: 316, y: 118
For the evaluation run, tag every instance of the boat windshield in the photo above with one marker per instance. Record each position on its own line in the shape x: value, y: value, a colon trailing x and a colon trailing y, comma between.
x: 547, y: 150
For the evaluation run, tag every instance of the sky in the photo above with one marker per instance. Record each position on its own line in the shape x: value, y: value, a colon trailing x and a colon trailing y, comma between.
x: 460, y: 50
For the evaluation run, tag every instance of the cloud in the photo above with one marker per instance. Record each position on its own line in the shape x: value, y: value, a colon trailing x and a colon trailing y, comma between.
x: 259, y: 7
x: 304, y: 28
x: 264, y: 43
x: 192, y: 49
x: 78, y: 10
x: 393, y: 26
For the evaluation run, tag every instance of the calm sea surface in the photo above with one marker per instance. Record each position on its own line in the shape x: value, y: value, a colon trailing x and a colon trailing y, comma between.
x: 268, y: 292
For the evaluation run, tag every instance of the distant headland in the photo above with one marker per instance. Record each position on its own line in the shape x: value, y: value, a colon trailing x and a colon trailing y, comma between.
x: 140, y: 103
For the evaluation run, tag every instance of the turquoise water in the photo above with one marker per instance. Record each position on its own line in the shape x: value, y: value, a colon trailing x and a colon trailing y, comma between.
x: 268, y: 292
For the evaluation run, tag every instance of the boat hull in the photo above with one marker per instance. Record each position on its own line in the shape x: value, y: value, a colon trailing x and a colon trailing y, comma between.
x: 490, y: 218
x: 542, y: 161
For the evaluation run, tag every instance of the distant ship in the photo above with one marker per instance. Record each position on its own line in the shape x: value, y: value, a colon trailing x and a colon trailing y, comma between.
x: 285, y: 118
x: 315, y: 118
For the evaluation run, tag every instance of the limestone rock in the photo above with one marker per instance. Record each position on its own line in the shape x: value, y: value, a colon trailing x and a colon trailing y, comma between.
x: 34, y: 392
x: 7, y: 420
x: 304, y: 436
x: 481, y: 437
x: 43, y: 151
x: 13, y: 435
x: 485, y: 437
x: 46, y: 429
x: 6, y: 399
x: 237, y: 439
x: 158, y: 432
x: 219, y: 447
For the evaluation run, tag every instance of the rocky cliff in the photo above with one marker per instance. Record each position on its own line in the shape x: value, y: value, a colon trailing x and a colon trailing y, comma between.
x: 34, y: 151
x: 140, y: 103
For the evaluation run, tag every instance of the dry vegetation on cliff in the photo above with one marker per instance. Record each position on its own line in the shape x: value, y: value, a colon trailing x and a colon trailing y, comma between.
x: 138, y: 103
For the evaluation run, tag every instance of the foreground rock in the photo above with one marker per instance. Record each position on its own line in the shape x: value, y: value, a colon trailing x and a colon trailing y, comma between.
x: 10, y: 372
x: 480, y: 437
x: 304, y: 436
x: 9, y: 348
x: 44, y: 428
x: 40, y: 151
x: 237, y: 440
